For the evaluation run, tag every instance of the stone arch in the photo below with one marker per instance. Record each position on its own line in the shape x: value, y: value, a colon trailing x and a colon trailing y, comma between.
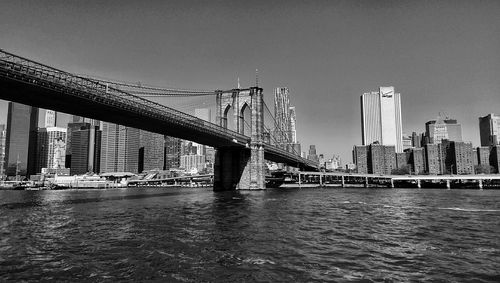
x: 246, y: 119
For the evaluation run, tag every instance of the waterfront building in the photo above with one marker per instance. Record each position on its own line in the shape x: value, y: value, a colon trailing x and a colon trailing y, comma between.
x: 417, y: 160
x: 119, y: 148
x: 462, y: 158
x: 402, y: 160
x: 483, y: 155
x: 172, y: 152
x: 489, y: 130
x: 85, y: 147
x: 51, y: 145
x: 433, y: 158
x: 440, y: 129
x: 2, y: 150
x: 193, y: 163
x: 381, y: 118
x: 360, y: 158
x: 381, y: 159
x: 495, y: 158
x: 293, y: 125
x: 475, y: 158
x: 20, y: 140
x: 50, y: 118
x: 312, y: 154
x: 151, y: 152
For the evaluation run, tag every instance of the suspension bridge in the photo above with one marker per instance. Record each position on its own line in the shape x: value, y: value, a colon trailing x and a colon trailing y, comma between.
x: 243, y: 139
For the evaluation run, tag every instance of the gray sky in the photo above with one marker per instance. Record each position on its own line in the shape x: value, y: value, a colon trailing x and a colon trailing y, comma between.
x: 440, y: 55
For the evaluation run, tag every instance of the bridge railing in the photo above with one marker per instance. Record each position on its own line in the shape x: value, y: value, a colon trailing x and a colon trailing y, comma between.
x: 49, y: 77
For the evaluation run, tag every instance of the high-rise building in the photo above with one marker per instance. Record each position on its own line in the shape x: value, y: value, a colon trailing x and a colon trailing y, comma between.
x: 433, y: 158
x: 360, y: 158
x: 293, y: 124
x: 20, y: 140
x: 489, y: 130
x: 381, y: 159
x: 407, y: 142
x: 172, y: 152
x: 417, y: 160
x: 282, y: 116
x: 462, y: 158
x: 381, y: 118
x: 193, y: 163
x: 119, y: 148
x: 50, y: 118
x: 51, y: 148
x: 312, y: 154
x: 483, y: 155
x: 2, y: 150
x: 495, y: 158
x: 151, y: 151
x: 440, y: 129
x: 416, y: 140
x: 402, y: 159
x: 85, y: 148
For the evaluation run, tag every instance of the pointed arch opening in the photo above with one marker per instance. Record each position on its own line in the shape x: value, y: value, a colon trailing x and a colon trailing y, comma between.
x: 246, y: 120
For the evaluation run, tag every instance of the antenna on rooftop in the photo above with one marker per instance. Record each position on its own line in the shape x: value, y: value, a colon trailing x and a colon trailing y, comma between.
x: 256, y: 77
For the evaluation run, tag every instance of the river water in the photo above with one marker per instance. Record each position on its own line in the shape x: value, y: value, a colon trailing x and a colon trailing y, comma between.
x: 292, y: 235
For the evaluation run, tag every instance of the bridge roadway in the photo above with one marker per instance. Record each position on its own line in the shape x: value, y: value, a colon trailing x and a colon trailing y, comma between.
x: 28, y: 82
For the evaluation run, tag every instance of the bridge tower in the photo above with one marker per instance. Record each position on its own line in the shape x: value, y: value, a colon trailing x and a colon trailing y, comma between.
x: 241, y: 167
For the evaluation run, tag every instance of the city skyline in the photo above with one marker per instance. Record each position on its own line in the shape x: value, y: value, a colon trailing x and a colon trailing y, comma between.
x: 439, y: 56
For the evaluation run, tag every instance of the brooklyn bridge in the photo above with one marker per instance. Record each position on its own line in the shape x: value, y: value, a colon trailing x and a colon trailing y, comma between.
x: 241, y: 152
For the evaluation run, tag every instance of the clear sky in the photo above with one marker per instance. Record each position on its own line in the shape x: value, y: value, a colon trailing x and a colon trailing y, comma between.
x: 442, y: 56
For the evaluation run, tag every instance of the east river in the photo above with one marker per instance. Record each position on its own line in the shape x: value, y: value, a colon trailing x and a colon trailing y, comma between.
x: 292, y: 235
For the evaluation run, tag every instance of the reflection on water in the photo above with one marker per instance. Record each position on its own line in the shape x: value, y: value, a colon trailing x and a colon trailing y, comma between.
x: 276, y: 235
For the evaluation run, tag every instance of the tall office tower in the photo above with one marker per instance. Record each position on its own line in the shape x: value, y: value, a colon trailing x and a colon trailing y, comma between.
x: 282, y: 116
x: 312, y: 154
x: 119, y: 148
x: 2, y: 150
x: 172, y: 152
x: 50, y: 118
x: 360, y: 158
x: 433, y: 158
x: 72, y: 127
x: 151, y: 152
x: 489, y: 130
x: 441, y: 129
x: 381, y: 118
x: 85, y: 148
x: 42, y: 150
x: 192, y: 163
x: 20, y: 140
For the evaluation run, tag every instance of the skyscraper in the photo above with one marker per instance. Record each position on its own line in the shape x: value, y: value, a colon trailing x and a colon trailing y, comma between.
x: 282, y: 115
x: 20, y: 141
x: 85, y: 148
x: 119, y: 148
x: 312, y: 154
x: 151, y: 151
x: 489, y: 130
x: 172, y: 152
x: 443, y: 128
x: 381, y: 118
